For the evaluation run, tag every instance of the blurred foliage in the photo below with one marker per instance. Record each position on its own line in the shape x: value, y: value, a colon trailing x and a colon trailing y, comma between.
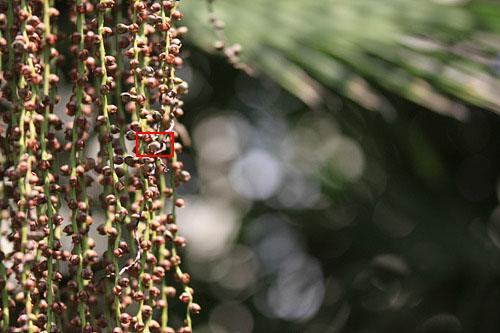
x: 412, y: 244
x: 408, y: 246
x: 439, y: 54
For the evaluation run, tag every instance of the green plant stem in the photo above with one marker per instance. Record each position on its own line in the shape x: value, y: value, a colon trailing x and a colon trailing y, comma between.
x: 10, y: 60
x: 168, y: 79
x: 109, y: 151
x: 25, y: 187
x: 5, y: 300
x: 10, y: 64
x: 178, y: 269
x: 139, y: 86
x: 74, y: 160
x: 117, y: 18
x: 45, y: 156
x: 162, y: 251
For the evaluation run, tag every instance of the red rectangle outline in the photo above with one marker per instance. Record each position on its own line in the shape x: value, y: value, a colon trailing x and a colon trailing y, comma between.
x: 172, y: 139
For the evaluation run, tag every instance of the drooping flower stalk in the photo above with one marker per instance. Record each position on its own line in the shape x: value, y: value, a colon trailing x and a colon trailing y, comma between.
x: 121, y: 117
x: 77, y: 133
x: 231, y: 52
x: 187, y: 295
x: 4, y: 164
x: 141, y: 267
x: 27, y: 91
x: 47, y: 157
x: 146, y: 190
x: 171, y: 89
x: 10, y: 70
x: 116, y: 212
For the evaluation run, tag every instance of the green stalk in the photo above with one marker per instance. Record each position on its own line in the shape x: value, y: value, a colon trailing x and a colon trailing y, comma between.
x: 109, y: 150
x: 45, y: 154
x: 162, y: 251
x: 167, y: 110
x: 166, y: 113
x: 5, y: 300
x: 25, y: 187
x: 10, y: 64
x: 178, y: 269
x: 74, y: 160
x: 139, y: 86
x: 117, y: 18
x: 10, y: 60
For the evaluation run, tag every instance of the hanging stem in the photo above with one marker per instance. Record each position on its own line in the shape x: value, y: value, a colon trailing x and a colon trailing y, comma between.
x: 80, y: 243
x: 47, y: 158
x: 110, y: 154
x: 24, y: 182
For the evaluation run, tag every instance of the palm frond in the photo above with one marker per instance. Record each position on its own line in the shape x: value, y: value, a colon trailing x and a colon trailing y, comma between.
x: 442, y: 55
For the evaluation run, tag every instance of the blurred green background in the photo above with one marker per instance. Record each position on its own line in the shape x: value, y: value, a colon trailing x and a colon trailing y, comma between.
x: 351, y: 183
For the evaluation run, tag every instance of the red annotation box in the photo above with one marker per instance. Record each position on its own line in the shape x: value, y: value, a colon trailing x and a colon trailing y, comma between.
x: 169, y: 133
